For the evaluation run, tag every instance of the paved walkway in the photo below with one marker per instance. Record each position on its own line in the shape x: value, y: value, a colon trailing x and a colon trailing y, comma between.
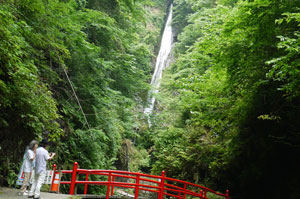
x: 10, y: 193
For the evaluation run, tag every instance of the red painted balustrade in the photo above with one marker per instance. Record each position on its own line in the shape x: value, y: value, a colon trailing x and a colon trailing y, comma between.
x: 162, y: 185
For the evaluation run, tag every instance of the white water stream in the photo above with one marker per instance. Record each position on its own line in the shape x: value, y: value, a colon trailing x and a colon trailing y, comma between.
x: 162, y: 61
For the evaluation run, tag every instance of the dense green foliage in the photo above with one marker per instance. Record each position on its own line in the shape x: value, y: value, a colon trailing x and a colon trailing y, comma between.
x: 229, y: 107
x: 78, y: 71
x: 227, y: 116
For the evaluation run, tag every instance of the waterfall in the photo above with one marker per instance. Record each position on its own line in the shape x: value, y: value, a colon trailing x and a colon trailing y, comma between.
x: 162, y: 61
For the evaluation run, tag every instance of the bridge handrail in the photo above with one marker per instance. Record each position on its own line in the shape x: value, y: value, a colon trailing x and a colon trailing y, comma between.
x: 195, y: 185
x: 161, y: 187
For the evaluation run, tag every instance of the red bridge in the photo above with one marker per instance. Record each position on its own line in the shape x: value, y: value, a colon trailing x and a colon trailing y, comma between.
x: 161, y: 185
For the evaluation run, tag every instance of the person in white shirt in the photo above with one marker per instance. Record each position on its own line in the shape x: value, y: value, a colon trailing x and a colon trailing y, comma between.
x: 28, y: 161
x: 41, y: 158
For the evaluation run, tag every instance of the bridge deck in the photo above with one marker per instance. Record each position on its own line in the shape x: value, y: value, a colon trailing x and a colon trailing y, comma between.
x: 11, y: 193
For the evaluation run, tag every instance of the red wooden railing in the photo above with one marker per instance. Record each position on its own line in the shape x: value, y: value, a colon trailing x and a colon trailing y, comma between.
x: 162, y: 185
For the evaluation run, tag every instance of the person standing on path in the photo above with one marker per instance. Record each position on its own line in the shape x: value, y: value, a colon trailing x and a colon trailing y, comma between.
x: 28, y: 162
x: 42, y: 156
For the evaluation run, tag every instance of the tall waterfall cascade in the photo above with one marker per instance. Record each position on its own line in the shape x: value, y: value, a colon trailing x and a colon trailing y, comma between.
x: 162, y: 61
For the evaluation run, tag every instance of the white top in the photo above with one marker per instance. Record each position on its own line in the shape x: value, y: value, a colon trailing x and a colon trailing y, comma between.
x: 28, y: 161
x: 41, y: 158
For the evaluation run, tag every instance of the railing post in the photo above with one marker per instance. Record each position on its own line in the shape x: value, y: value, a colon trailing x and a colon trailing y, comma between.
x: 205, y: 191
x: 184, y: 186
x: 86, y: 185
x: 227, y: 194
x: 162, y: 185
x: 74, y: 173
x: 201, y: 194
x: 137, y: 181
x: 53, y: 170
x: 112, y: 186
x: 108, y: 185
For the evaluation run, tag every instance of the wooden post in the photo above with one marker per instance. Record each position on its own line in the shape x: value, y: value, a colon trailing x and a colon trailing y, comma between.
x: 184, y: 191
x: 86, y: 185
x: 112, y: 186
x: 162, y: 185
x: 73, y: 180
x: 227, y: 194
x: 137, y: 181
x: 108, y: 185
